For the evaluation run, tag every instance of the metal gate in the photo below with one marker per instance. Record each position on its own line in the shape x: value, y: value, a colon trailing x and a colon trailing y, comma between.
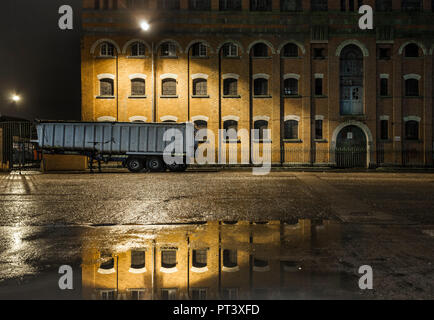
x: 17, y: 152
x: 351, y: 148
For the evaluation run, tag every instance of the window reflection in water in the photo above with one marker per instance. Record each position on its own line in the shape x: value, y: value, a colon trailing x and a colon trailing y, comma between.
x: 216, y: 260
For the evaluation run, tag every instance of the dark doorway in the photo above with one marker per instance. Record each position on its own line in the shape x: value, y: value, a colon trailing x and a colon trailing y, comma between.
x: 351, y: 148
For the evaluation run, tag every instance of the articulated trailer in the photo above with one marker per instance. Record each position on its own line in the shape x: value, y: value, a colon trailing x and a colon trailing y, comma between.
x: 139, y: 146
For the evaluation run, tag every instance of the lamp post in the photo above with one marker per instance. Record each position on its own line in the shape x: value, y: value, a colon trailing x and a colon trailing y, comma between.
x: 145, y: 26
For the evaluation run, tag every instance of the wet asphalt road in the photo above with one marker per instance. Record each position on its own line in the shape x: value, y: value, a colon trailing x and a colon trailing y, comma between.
x: 387, y: 219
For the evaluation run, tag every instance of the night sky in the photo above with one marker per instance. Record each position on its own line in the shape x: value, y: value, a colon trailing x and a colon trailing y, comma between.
x: 38, y: 61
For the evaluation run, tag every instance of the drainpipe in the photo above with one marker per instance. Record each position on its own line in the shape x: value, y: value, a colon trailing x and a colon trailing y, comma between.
x: 188, y: 84
x: 282, y: 115
x: 117, y: 87
x: 153, y: 85
x: 220, y: 95
x: 250, y: 101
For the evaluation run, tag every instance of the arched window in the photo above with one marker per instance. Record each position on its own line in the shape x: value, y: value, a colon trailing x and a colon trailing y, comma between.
x: 106, y: 87
x: 138, y: 49
x: 260, y: 87
x: 260, y: 5
x: 138, y: 87
x: 290, y: 51
x: 168, y: 49
x: 230, y: 5
x: 412, y: 130
x: 290, y: 5
x: 199, y: 4
x: 107, y: 50
x: 200, y: 87
x: 199, y: 50
x: 168, y: 87
x: 260, y: 263
x: 230, y: 50
x: 230, y: 258
x: 137, y: 4
x: 168, y: 259
x: 291, y: 130
x: 169, y: 4
x: 412, y: 87
x: 290, y: 87
x: 260, y: 50
x: 107, y: 263
x: 411, y: 50
x: 319, y: 5
x: 260, y: 127
x: 383, y: 5
x: 137, y: 259
x: 230, y: 87
x: 411, y: 5
x: 231, y: 127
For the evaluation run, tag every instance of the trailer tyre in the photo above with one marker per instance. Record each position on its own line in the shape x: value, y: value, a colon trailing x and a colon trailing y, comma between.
x: 135, y: 164
x: 155, y: 164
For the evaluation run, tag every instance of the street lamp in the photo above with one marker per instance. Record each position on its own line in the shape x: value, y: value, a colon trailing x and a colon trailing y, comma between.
x: 16, y: 98
x: 145, y: 26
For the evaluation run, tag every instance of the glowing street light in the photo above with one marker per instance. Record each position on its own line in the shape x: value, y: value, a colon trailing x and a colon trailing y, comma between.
x: 145, y: 26
x: 16, y: 98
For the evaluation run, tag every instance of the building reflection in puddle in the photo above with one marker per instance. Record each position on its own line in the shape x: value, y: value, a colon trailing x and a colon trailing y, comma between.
x: 216, y: 260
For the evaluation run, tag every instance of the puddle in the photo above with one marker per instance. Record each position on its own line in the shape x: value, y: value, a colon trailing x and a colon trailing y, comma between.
x: 213, y: 260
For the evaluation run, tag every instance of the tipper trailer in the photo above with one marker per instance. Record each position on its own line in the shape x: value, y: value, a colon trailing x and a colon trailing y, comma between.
x: 138, y: 146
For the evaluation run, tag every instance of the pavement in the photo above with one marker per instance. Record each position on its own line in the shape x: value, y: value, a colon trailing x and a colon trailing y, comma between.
x: 386, y: 218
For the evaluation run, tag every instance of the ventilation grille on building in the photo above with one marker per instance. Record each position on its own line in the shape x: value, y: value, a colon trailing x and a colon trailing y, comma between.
x: 319, y: 33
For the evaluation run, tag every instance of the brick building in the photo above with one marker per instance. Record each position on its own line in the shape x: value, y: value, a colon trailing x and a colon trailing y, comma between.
x: 329, y: 92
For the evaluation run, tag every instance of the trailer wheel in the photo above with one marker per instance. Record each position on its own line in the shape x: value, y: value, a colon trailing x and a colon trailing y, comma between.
x: 135, y: 164
x: 177, y: 167
x: 155, y: 164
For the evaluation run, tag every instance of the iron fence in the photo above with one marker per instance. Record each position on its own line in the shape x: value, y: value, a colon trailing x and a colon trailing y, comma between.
x: 17, y: 152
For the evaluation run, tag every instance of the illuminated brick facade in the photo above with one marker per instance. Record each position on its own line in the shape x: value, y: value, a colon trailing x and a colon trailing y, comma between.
x: 288, y: 69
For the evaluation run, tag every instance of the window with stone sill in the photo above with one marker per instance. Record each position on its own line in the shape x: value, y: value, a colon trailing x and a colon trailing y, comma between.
x: 138, y: 87
x: 106, y: 87
x: 291, y: 130
x: 260, y: 87
x: 412, y: 130
x: 200, y: 87
x: 411, y: 50
x: 169, y: 87
x: 230, y: 87
x: 384, y: 87
x: 412, y: 88
x: 319, y: 129
x: 319, y: 87
x: 290, y: 87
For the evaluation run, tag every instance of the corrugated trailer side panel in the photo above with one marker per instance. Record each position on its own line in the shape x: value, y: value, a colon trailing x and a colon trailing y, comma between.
x: 106, y: 138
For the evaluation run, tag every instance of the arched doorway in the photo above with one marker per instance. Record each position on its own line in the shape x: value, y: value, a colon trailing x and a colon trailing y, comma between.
x: 351, y: 80
x: 351, y: 148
